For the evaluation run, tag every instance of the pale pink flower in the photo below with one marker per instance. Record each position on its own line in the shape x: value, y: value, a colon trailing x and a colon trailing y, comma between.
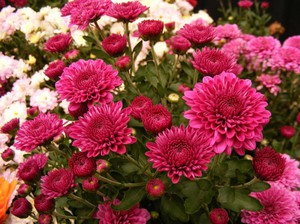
x: 286, y: 58
x: 227, y: 32
x: 271, y: 82
x: 234, y: 47
x: 45, y: 99
x: 229, y: 111
x: 293, y: 41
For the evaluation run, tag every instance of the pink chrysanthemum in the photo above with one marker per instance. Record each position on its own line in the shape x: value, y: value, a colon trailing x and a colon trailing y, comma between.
x: 293, y: 41
x: 84, y: 12
x: 114, y: 44
x: 81, y: 165
x: 90, y: 184
x: 126, y: 11
x: 88, y: 81
x: 286, y: 58
x: 58, y: 43
x: 21, y: 208
x: 246, y: 4
x: 197, y: 33
x: 229, y: 111
x: 155, y: 187
x: 218, y: 216
x: 43, y: 204
x: 55, y: 69
x: 57, y: 183
x: 259, y: 50
x: 150, y: 29
x: 271, y: 82
x: 134, y: 215
x: 178, y: 44
x: 287, y: 131
x: 38, y: 131
x: 280, y: 206
x: 139, y: 105
x: 212, y: 62
x: 103, y: 129
x: 180, y: 152
x: 235, y: 47
x: 18, y: 3
x: 123, y: 63
x: 227, y: 31
x: 10, y: 126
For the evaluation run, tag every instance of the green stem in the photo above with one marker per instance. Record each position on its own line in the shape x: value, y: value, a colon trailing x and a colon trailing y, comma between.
x: 64, y: 216
x: 52, y: 147
x: 102, y: 35
x: 132, y: 160
x: 116, y: 183
x: 253, y: 181
x: 155, y: 61
x: 195, y: 78
x: 79, y: 199
x: 127, y: 76
x: 132, y: 70
x: 173, y: 74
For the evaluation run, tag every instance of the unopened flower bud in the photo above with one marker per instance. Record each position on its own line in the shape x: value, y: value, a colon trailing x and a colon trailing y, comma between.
x: 123, y: 63
x: 173, y: 98
x: 24, y: 190
x: 170, y: 26
x: 218, y: 216
x: 90, y: 184
x: 8, y: 154
x: 287, y: 131
x: 43, y: 204
x: 102, y: 166
x: 155, y: 187
x: 21, y: 208
x: 72, y: 54
x: 11, y: 127
x: 45, y: 219
x: 33, y: 112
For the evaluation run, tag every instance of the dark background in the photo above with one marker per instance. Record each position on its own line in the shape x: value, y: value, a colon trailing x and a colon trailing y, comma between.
x: 287, y: 12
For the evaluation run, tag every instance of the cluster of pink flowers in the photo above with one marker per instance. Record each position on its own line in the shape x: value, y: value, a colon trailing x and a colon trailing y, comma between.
x: 271, y: 82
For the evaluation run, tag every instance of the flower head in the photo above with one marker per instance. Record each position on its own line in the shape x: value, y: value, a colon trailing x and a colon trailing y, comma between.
x: 246, y: 4
x: 293, y: 41
x: 180, y: 152
x: 24, y: 190
x: 43, y: 204
x: 38, y: 131
x: 72, y: 54
x: 126, y: 11
x: 271, y: 82
x: 55, y: 69
x: 227, y: 32
x: 6, y: 190
x: 88, y: 81
x: 218, y: 216
x: 58, y: 43
x: 8, y: 154
x: 103, y: 129
x: 279, y: 206
x: 45, y: 219
x: 287, y: 131
x: 90, y: 184
x: 156, y: 119
x: 21, y: 208
x: 212, y: 61
x: 18, y: 3
x: 77, y: 109
x: 229, y: 111
x: 286, y: 58
x: 11, y: 126
x: 197, y: 34
x: 102, y: 166
x: 155, y: 187
x: 178, y: 44
x: 123, y: 63
x: 268, y: 165
x: 134, y: 215
x: 57, y: 183
x: 114, y: 44
x: 264, y: 5
x: 139, y: 105
x: 81, y: 165
x: 150, y: 29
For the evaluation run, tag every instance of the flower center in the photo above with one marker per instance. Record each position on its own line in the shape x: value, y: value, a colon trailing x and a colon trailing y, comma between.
x: 229, y: 106
x: 101, y: 127
x: 179, y: 152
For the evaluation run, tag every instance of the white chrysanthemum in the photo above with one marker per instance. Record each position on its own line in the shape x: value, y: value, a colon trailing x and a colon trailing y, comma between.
x: 15, y: 110
x: 44, y: 99
x: 38, y: 78
x: 106, y: 20
x: 184, y: 6
x: 21, y: 89
x: 164, y: 11
x: 5, y: 101
x: 4, y: 138
x: 65, y: 105
x: 195, y: 16
x: 77, y: 36
x: 9, y: 67
x: 161, y: 48
x: 8, y: 22
x: 117, y: 28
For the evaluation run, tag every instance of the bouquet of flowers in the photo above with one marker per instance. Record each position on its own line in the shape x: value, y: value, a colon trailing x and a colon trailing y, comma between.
x: 144, y: 112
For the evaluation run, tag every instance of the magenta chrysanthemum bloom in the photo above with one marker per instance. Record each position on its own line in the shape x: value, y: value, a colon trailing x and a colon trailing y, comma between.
x: 268, y: 165
x: 45, y: 219
x: 123, y: 63
x: 88, y: 81
x: 90, y: 184
x: 139, y: 105
x: 84, y: 12
x: 229, y: 111
x: 212, y: 62
x: 126, y: 11
x: 30, y: 169
x: 178, y: 44
x: 11, y: 126
x: 81, y: 165
x: 218, y: 216
x: 7, y: 155
x: 286, y: 58
x: 103, y: 129
x: 57, y: 183
x: 18, y: 3
x: 279, y: 206
x: 246, y: 4
x: 227, y: 32
x: 271, y: 82
x: 38, y: 131
x: 43, y: 204
x: 197, y: 33
x: 21, y: 208
x: 293, y: 41
x: 77, y: 109
x: 180, y: 152
x: 134, y: 215
x: 156, y: 119
x: 150, y: 29
x: 58, y: 43
x: 287, y: 131
x: 55, y: 69
x: 155, y: 187
x: 114, y: 44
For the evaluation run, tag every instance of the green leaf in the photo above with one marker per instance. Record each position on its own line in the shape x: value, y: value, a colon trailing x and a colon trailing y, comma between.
x: 226, y: 195
x: 172, y: 205
x: 137, y: 49
x: 88, y: 39
x: 100, y: 53
x: 259, y: 186
x: 75, y: 204
x: 132, y: 197
x: 187, y: 68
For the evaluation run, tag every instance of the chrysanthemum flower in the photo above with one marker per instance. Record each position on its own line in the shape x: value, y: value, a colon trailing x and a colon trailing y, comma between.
x: 271, y: 82
x: 155, y: 187
x: 126, y: 11
x: 58, y: 43
x: 103, y: 129
x: 197, y: 34
x: 178, y: 44
x: 8, y: 154
x: 81, y: 165
x: 88, y: 81
x: 229, y: 111
x: 218, y: 216
x: 10, y: 126
x: 90, y: 184
x: 180, y: 152
x: 43, y: 204
x: 150, y: 29
x: 57, y: 183
x: 21, y: 208
x: 139, y: 105
x: 114, y: 44
x: 227, y: 32
x: 134, y: 215
x: 246, y: 4
x: 286, y: 58
x: 293, y: 41
x: 84, y: 12
x: 279, y: 206
x: 287, y: 131
x: 212, y: 62
x: 38, y: 131
x: 55, y: 69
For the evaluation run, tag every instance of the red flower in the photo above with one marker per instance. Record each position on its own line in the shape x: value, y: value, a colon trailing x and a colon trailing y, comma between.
x: 150, y: 29
x: 18, y: 3
x: 55, y: 69
x: 212, y: 62
x: 246, y: 4
x: 264, y: 5
x: 126, y: 11
x: 38, y: 131
x: 11, y: 126
x: 178, y: 44
x: 45, y: 219
x: 57, y: 183
x: 102, y: 166
x: 155, y: 187
x: 139, y: 105
x: 88, y: 81
x: 123, y: 63
x: 103, y: 129
x: 77, y: 109
x: 268, y: 164
x: 180, y: 152
x: 81, y: 165
x: 156, y: 119
x: 90, y: 184
x: 21, y: 208
x: 58, y: 43
x: 24, y: 190
x: 114, y: 44
x: 218, y: 216
x: 43, y: 204
x: 8, y: 154
x: 287, y: 131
